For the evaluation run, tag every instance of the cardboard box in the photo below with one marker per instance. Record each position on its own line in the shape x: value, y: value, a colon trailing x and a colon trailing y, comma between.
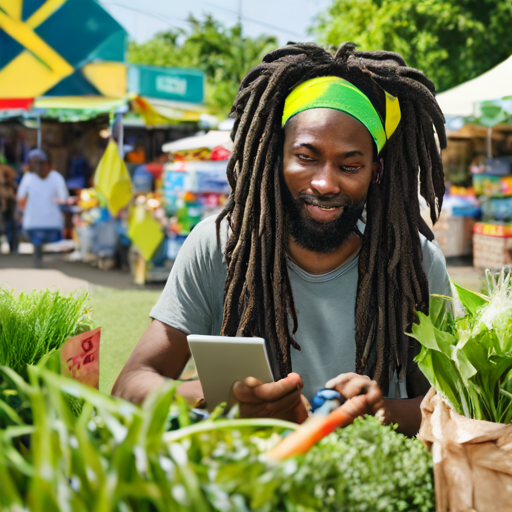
x: 491, y: 251
x: 454, y: 235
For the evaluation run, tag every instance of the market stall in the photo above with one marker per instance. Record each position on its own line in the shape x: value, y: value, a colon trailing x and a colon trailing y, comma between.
x: 187, y: 190
x: 76, y: 101
x: 477, y: 168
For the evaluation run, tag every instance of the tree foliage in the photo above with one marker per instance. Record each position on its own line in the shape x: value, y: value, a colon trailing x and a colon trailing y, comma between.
x: 451, y: 41
x: 223, y: 53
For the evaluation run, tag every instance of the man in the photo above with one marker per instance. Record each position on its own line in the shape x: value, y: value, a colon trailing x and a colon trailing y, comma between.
x: 40, y: 192
x: 320, y: 142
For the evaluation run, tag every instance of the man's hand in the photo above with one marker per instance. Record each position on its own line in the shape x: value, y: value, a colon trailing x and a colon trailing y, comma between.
x: 350, y: 385
x: 405, y: 412
x: 281, y: 399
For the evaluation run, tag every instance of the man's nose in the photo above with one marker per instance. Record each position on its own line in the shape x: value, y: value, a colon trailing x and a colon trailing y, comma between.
x: 326, y: 181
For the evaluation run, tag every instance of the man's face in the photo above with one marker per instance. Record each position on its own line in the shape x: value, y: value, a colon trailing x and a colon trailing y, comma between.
x: 327, y: 168
x: 38, y: 166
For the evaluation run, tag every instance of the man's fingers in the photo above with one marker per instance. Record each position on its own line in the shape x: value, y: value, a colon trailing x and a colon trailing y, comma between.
x: 252, y: 382
x: 250, y: 392
x: 276, y: 390
x: 278, y: 408
x: 356, y: 386
x: 343, y: 379
x: 350, y: 385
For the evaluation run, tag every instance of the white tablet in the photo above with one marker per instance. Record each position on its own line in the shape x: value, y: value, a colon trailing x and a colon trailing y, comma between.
x: 221, y: 360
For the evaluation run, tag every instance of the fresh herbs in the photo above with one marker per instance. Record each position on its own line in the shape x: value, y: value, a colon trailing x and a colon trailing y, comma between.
x: 469, y: 359
x: 65, y: 446
x: 115, y: 456
x: 33, y: 325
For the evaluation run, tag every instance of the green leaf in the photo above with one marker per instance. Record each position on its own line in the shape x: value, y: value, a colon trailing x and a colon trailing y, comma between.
x: 10, y: 413
x: 470, y: 300
x: 441, y: 311
x: 424, y: 332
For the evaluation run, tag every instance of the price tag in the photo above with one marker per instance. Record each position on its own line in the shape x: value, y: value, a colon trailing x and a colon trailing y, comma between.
x: 80, y: 357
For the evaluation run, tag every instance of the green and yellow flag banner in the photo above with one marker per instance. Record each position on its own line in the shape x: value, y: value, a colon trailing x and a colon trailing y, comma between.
x: 60, y: 48
x: 113, y: 180
x: 145, y: 232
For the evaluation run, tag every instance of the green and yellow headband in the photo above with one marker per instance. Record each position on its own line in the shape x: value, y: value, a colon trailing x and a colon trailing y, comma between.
x: 339, y: 94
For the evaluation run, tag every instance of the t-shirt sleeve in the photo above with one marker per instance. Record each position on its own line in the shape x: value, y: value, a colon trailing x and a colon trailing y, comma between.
x: 23, y: 188
x: 435, y: 268
x: 186, y: 302
x: 62, y: 189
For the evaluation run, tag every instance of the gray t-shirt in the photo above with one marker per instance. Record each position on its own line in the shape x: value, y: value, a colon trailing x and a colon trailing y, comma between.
x: 192, y: 302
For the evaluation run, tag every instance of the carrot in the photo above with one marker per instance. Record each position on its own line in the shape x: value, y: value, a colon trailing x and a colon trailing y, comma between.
x: 317, y: 427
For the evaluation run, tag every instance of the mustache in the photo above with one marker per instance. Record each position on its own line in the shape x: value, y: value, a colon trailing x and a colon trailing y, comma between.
x: 328, y: 201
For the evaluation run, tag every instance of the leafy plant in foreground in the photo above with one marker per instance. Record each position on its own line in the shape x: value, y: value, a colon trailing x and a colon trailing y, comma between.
x: 469, y: 359
x: 34, y: 324
x: 116, y: 456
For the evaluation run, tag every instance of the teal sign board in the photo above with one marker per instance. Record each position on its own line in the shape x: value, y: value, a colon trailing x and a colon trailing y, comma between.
x: 174, y: 84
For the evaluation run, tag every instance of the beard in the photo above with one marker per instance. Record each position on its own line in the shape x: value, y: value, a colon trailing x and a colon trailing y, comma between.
x: 315, y: 236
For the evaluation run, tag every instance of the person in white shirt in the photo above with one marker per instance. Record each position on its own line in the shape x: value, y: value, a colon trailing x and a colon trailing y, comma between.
x: 40, y: 193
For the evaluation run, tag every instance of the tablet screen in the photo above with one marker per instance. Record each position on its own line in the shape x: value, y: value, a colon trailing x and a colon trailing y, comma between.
x: 221, y: 360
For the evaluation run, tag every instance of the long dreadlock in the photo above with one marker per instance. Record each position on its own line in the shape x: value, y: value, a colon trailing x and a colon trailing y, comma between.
x: 258, y: 297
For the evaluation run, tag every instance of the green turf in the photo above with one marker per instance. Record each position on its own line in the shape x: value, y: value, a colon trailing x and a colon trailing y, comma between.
x: 123, y: 316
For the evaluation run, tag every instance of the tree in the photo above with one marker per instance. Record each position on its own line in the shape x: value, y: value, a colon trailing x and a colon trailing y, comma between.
x: 451, y: 41
x: 223, y: 53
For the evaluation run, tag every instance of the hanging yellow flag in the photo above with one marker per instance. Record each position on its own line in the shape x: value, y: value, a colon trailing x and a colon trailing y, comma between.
x: 113, y: 180
x: 145, y: 232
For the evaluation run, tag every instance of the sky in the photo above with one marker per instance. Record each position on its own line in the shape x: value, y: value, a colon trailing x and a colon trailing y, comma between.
x: 288, y: 20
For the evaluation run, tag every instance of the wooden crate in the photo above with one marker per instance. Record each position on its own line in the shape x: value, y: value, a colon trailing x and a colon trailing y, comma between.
x: 454, y: 235
x: 491, y: 251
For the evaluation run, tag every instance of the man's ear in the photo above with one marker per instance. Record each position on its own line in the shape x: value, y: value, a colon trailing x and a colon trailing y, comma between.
x: 377, y: 170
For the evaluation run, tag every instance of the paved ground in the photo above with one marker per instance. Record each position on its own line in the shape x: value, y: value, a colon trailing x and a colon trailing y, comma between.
x: 18, y: 272
x: 464, y: 274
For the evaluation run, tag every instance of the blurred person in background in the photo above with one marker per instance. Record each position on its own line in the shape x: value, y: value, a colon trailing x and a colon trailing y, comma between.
x: 40, y: 193
x: 8, y: 223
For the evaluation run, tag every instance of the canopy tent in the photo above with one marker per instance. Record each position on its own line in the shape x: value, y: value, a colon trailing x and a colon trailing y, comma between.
x: 464, y: 99
x: 211, y: 140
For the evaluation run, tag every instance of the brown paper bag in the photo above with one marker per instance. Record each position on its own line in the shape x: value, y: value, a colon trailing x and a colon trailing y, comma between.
x: 472, y: 459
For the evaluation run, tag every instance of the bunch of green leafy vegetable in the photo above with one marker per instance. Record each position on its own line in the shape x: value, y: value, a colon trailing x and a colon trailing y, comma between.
x: 33, y: 325
x: 468, y: 359
x: 363, y: 467
x: 115, y: 456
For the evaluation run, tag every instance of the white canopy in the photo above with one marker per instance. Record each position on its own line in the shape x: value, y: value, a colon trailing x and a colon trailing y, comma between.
x: 211, y: 140
x: 492, y: 85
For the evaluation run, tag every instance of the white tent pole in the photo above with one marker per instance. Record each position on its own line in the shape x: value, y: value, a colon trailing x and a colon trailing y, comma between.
x: 120, y: 137
x: 489, y: 143
x: 39, y: 134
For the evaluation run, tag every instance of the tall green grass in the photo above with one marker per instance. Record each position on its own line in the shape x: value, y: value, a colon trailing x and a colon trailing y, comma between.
x: 35, y: 324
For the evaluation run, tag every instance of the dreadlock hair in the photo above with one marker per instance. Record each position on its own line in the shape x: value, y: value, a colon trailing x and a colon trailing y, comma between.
x: 392, y: 285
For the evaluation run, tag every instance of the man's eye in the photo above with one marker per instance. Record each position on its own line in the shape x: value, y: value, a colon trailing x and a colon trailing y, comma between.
x: 350, y: 168
x: 307, y: 158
